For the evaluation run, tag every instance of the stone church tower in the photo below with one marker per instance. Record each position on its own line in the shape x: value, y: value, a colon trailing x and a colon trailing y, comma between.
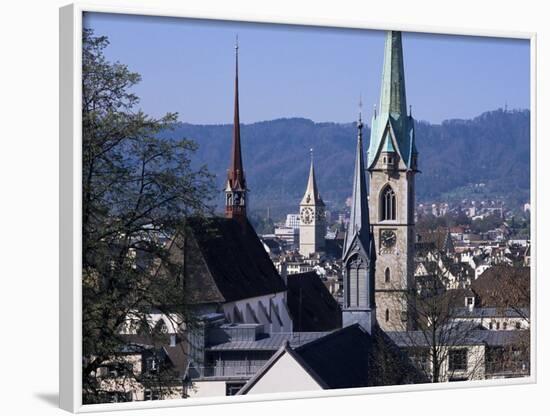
x: 235, y: 189
x: 359, y: 253
x: 392, y: 166
x: 313, y: 225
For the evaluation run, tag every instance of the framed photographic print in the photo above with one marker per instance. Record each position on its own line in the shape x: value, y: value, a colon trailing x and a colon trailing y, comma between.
x: 259, y: 209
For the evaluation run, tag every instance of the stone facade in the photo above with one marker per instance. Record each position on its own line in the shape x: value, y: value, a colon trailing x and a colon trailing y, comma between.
x: 394, y: 274
x: 392, y: 165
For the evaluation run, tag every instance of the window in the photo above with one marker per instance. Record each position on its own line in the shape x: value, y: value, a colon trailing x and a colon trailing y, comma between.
x: 152, y: 365
x: 387, y: 315
x: 490, y: 325
x: 504, y: 325
x: 518, y: 325
x: 470, y: 301
x: 231, y: 389
x: 357, y: 284
x: 387, y: 275
x: 387, y: 204
x: 458, y: 359
x: 149, y: 394
x: 498, y: 325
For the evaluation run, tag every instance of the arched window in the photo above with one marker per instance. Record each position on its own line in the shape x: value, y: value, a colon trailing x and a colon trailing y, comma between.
x: 356, y: 276
x: 387, y: 275
x: 387, y: 315
x: 388, y: 206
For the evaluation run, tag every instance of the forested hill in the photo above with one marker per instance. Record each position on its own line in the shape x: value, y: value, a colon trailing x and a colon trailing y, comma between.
x: 492, y: 149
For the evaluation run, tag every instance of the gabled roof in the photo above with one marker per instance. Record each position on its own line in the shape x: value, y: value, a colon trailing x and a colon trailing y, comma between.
x: 311, y: 305
x: 227, y: 262
x: 347, y: 358
x: 341, y: 359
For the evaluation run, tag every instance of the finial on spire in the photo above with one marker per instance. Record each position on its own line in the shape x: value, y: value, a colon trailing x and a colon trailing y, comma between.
x: 237, y: 43
x: 410, y: 110
x: 360, y: 120
x: 360, y: 107
x: 311, y: 154
x: 374, y: 110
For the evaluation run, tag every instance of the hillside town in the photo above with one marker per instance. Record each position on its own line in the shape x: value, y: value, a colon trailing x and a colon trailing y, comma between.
x: 386, y: 292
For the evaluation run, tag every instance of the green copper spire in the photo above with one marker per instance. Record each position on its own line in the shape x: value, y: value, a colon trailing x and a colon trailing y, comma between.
x: 393, y: 99
x: 392, y: 128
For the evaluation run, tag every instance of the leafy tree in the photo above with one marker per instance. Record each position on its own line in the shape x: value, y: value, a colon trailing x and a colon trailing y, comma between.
x: 437, y: 334
x: 137, y: 191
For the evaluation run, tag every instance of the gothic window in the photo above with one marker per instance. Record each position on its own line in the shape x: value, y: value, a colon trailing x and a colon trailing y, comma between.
x: 387, y: 315
x: 357, y: 284
x: 387, y: 275
x: 228, y: 200
x: 388, y: 206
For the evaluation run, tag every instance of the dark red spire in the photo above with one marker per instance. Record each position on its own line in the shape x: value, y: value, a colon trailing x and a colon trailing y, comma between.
x: 236, y: 173
x: 235, y: 206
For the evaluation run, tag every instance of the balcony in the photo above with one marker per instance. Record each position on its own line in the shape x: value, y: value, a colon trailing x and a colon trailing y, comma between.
x: 224, y: 372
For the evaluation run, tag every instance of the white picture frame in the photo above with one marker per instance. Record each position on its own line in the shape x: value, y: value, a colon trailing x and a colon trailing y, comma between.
x: 70, y: 204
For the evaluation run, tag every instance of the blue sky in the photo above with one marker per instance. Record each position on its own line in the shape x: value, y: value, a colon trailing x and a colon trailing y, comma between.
x: 187, y: 66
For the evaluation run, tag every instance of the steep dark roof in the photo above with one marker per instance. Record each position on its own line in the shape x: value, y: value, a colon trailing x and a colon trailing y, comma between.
x: 351, y: 357
x: 340, y: 359
x: 346, y: 358
x: 311, y: 305
x: 227, y: 262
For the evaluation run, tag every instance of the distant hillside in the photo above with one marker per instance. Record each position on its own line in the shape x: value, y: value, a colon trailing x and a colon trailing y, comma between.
x: 492, y: 149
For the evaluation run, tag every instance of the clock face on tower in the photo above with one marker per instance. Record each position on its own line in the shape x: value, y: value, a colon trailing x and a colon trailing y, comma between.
x: 306, y: 215
x: 388, y: 238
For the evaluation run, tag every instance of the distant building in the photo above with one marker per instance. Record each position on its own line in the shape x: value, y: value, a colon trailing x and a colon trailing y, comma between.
x: 292, y: 221
x: 313, y: 226
x: 290, y: 235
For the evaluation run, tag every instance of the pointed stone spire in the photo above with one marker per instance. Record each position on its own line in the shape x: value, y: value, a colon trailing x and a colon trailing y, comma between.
x: 359, y: 225
x: 235, y: 190
x: 393, y: 99
x: 312, y: 196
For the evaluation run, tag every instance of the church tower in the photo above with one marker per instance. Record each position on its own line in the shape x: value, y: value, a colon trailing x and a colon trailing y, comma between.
x: 359, y: 253
x: 235, y: 189
x: 392, y: 166
x: 312, y: 217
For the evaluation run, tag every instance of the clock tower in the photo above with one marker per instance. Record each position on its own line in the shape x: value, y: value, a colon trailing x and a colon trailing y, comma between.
x: 312, y: 217
x: 392, y: 167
